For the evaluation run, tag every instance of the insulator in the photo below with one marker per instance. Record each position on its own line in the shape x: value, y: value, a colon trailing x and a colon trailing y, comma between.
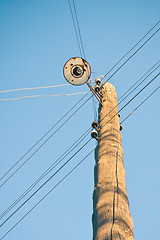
x: 98, y: 81
x: 94, y: 133
x: 97, y: 88
x: 119, y: 115
x: 94, y: 124
x: 121, y: 128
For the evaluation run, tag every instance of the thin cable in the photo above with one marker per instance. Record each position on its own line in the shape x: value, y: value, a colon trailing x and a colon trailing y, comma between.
x: 45, y: 182
x: 46, y: 195
x: 80, y: 148
x: 140, y: 83
x: 44, y: 135
x: 52, y: 166
x: 131, y: 88
x: 139, y: 80
x: 75, y: 28
x: 69, y: 160
x: 131, y: 49
x: 22, y: 89
x: 130, y: 57
x: 79, y: 30
x: 35, y: 96
x: 158, y: 74
x: 113, y: 116
x: 132, y: 98
x: 44, y: 142
x: 140, y: 105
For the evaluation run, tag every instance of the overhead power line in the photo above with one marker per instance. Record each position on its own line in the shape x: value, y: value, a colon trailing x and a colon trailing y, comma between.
x: 140, y: 82
x: 65, y: 114
x: 59, y: 121
x: 75, y: 28
x: 46, y: 172
x: 140, y: 79
x: 43, y: 96
x: 46, y: 139
x: 140, y: 105
x: 130, y: 51
x: 72, y: 170
x: 80, y: 37
x: 46, y: 195
x: 131, y: 99
x: 46, y: 182
x: 9, y: 208
x: 44, y: 142
x: 83, y: 145
x: 34, y: 88
x: 130, y: 89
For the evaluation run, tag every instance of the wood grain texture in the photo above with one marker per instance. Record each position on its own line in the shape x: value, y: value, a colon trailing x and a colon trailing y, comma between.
x: 111, y: 215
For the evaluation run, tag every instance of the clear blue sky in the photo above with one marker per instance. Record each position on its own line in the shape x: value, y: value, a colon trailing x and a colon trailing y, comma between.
x: 36, y: 39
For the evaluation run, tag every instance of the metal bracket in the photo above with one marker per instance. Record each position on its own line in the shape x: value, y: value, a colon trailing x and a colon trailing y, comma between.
x: 95, y: 94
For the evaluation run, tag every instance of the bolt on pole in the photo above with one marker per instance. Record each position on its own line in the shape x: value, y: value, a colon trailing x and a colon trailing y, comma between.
x: 111, y: 215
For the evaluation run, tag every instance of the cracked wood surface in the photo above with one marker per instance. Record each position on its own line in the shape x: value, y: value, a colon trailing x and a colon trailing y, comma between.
x: 111, y: 215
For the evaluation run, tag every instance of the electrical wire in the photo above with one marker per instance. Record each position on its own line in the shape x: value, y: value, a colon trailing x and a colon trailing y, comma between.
x: 133, y: 89
x: 129, y: 57
x: 80, y: 37
x: 50, y: 86
x: 45, y: 135
x: 34, y: 88
x: 139, y: 79
x: 76, y: 165
x: 90, y: 139
x: 52, y: 166
x: 45, y: 182
x: 74, y: 154
x: 152, y: 93
x: 82, y: 136
x: 35, y: 96
x: 132, y: 98
x: 37, y: 142
x: 140, y: 83
x: 42, y: 143
x: 140, y: 105
x: 58, y: 95
x: 75, y: 28
x: 131, y: 49
x: 8, y: 209
x: 72, y: 169
x: 46, y: 195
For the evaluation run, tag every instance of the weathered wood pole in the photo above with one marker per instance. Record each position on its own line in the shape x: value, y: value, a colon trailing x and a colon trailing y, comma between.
x: 111, y: 215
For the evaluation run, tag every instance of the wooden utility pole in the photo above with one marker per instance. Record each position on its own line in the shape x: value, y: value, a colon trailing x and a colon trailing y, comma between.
x: 111, y: 215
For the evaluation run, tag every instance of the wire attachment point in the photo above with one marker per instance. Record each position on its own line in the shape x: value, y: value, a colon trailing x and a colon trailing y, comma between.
x: 95, y: 125
x: 94, y: 134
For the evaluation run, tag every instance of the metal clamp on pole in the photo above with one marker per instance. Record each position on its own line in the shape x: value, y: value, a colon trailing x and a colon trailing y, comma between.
x: 95, y: 94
